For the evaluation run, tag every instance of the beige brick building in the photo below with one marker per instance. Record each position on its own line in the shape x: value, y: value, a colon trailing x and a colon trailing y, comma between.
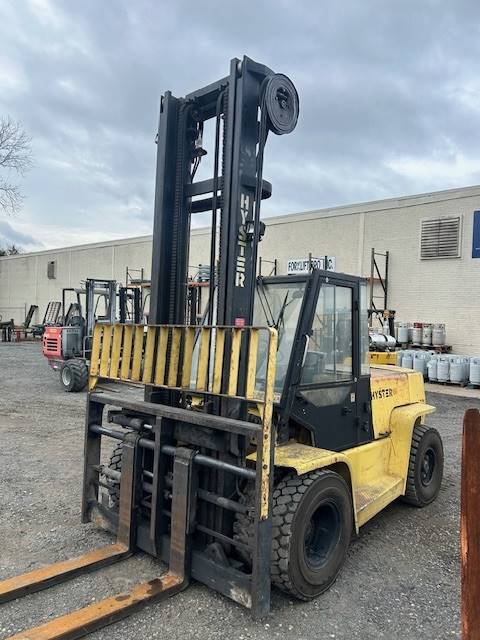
x: 432, y: 276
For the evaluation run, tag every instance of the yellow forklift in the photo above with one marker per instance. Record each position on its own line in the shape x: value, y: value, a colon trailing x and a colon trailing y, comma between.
x: 251, y: 447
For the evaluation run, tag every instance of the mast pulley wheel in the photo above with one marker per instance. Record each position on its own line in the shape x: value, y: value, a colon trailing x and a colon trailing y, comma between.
x: 282, y: 105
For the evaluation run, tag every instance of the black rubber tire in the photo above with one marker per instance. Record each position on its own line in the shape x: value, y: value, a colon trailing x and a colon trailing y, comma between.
x: 115, y: 464
x: 425, y: 468
x: 296, y: 499
x: 74, y: 375
x: 243, y: 530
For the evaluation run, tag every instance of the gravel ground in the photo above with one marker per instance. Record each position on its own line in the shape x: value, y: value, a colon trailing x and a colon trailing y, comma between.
x: 401, y: 578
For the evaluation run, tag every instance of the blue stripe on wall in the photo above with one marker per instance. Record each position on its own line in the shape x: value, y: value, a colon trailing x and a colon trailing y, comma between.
x: 476, y: 235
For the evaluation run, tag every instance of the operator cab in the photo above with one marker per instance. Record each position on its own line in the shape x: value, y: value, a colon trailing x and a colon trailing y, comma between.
x: 322, y: 384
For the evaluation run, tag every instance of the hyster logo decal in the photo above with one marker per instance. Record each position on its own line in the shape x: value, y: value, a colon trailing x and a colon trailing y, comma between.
x: 379, y: 394
x: 242, y: 241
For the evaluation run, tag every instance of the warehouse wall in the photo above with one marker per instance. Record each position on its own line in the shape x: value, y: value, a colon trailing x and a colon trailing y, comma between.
x: 24, y: 281
x: 299, y: 235
x: 442, y: 290
x: 437, y: 290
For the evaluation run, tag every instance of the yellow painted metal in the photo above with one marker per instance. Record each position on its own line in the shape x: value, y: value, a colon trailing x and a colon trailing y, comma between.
x: 383, y: 357
x: 188, y: 345
x: 116, y: 350
x: 126, y: 351
x: 141, y: 355
x: 392, y: 387
x: 149, y: 355
x: 234, y: 361
x: 266, y: 444
x: 105, y: 354
x: 252, y: 363
x: 203, y: 357
x: 161, y: 363
x: 218, y: 362
x: 174, y: 356
x: 96, y: 344
x: 304, y: 458
x: 403, y: 420
x: 137, y: 353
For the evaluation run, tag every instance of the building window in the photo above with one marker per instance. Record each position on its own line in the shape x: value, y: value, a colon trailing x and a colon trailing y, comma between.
x: 52, y: 269
x: 440, y: 238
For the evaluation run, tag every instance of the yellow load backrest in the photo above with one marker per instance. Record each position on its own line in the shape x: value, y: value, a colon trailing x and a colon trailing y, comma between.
x: 189, y: 358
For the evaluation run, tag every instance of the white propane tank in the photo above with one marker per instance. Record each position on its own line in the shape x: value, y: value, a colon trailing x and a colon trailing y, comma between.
x: 457, y: 371
x: 417, y: 333
x: 438, y: 335
x: 426, y: 334
x: 381, y: 342
x: 475, y: 371
x: 432, y: 369
x: 466, y: 367
x: 399, y: 355
x: 410, y: 332
x: 443, y: 369
x: 419, y: 362
x: 407, y: 360
x: 402, y: 332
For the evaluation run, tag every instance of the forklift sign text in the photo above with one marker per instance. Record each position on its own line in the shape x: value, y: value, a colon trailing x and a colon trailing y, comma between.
x: 242, y: 241
x: 379, y: 394
x: 305, y: 265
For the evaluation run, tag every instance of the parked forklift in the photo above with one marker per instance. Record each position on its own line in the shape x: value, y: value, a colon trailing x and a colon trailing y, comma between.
x: 254, y: 445
x: 68, y: 347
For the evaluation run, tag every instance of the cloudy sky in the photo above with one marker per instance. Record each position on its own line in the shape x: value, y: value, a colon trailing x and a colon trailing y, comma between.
x: 389, y: 100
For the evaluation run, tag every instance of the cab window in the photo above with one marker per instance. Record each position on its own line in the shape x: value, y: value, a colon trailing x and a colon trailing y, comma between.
x: 329, y: 353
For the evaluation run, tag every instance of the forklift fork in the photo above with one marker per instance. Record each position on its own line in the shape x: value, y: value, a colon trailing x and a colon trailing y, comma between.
x: 95, y: 616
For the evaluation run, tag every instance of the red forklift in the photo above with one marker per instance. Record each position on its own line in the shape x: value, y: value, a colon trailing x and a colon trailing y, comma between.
x: 68, y: 347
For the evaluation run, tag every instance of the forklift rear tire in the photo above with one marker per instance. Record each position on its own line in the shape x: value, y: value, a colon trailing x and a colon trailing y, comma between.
x: 312, y: 525
x: 74, y: 375
x: 425, y: 469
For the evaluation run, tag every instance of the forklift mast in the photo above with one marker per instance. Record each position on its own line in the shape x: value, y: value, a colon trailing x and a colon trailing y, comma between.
x: 245, y: 106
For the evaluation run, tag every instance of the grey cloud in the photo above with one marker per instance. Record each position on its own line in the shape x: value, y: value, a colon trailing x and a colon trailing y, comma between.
x: 9, y: 235
x: 378, y: 83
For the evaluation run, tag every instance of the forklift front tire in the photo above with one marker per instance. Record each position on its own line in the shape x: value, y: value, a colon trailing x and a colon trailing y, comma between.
x: 312, y: 525
x: 74, y: 375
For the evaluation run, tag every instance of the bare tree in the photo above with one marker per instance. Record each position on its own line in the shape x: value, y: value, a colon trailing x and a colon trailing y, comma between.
x: 11, y: 250
x: 15, y: 157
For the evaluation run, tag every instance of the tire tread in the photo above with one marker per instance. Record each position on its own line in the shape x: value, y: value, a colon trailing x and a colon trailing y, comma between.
x: 79, y: 371
x: 411, y: 494
x: 282, y: 529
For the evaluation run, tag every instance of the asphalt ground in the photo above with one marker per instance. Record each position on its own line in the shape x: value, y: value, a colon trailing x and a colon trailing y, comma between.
x: 401, y: 578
